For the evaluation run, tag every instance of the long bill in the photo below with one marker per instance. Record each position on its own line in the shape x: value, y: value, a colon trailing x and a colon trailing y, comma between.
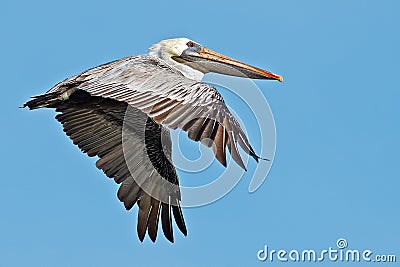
x: 210, y: 61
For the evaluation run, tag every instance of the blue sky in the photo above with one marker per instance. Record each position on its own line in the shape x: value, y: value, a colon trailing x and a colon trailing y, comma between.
x: 335, y: 172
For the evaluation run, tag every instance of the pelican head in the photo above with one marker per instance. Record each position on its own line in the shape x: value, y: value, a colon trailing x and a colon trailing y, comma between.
x: 194, y: 60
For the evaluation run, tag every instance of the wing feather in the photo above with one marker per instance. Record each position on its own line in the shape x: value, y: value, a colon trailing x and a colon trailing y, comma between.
x: 96, y: 125
x: 164, y: 94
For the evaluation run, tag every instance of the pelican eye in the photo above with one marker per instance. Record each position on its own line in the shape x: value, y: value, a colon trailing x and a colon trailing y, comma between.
x: 190, y: 44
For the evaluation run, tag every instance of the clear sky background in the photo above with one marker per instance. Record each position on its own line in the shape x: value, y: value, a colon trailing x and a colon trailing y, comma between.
x: 336, y: 169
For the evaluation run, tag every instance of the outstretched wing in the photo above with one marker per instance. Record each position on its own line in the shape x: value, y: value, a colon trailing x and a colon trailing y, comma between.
x: 165, y: 95
x: 134, y: 150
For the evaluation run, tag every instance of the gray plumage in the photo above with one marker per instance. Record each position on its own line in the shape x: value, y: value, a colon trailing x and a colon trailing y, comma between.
x: 164, y: 94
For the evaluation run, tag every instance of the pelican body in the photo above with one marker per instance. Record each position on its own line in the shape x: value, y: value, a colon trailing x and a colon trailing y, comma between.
x: 122, y: 111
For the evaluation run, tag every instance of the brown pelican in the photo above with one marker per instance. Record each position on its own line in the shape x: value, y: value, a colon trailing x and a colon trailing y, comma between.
x: 121, y: 112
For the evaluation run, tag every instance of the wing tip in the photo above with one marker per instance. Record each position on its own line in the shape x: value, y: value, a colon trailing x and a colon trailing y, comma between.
x: 141, y: 238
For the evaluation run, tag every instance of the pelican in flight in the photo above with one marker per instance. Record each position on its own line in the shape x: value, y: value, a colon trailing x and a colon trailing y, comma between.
x: 122, y: 111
